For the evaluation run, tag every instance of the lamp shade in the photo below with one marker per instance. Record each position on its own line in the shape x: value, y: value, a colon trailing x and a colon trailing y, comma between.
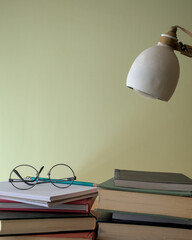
x: 155, y: 72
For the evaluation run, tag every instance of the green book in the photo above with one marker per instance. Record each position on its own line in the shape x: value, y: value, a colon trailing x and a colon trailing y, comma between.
x: 144, y: 219
x: 145, y: 201
x: 152, y: 180
x: 109, y: 184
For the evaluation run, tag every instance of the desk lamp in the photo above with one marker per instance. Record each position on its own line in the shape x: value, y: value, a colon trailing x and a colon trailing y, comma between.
x: 155, y: 72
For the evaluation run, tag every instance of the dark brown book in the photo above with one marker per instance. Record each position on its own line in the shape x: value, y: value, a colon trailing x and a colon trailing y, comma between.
x: 131, y: 229
x: 43, y: 222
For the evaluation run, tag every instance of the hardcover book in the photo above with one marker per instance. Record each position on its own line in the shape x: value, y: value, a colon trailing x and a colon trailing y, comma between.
x: 42, y: 222
x: 46, y: 194
x: 79, y: 206
x: 113, y: 229
x: 152, y: 180
x: 152, y: 219
x: 168, y: 203
x: 55, y: 236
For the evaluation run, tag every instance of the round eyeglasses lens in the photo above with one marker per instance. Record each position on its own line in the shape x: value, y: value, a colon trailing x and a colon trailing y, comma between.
x: 23, y: 177
x: 61, y: 175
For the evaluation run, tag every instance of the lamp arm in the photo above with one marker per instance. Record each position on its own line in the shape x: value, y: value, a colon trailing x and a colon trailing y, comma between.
x: 170, y: 38
x: 184, y: 48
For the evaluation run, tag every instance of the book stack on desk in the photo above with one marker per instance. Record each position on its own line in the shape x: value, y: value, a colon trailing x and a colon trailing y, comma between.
x: 145, y: 205
x: 47, y: 212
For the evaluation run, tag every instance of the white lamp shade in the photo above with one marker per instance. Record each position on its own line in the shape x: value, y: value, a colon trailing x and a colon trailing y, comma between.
x: 155, y: 72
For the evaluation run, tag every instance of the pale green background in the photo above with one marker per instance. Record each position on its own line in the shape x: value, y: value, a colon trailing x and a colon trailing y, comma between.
x: 63, y: 68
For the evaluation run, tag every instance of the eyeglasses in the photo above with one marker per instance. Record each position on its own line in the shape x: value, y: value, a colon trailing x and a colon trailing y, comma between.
x: 26, y: 176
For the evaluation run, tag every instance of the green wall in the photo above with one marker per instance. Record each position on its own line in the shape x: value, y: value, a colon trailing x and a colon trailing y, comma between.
x: 63, y: 68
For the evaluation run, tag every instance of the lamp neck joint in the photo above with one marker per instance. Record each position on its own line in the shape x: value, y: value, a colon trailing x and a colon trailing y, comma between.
x: 170, y: 39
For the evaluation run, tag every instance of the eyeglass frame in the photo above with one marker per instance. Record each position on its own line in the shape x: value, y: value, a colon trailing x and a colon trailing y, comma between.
x: 49, y: 180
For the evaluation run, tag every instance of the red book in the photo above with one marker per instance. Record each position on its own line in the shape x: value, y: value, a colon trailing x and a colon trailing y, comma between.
x: 78, y: 206
x: 54, y: 236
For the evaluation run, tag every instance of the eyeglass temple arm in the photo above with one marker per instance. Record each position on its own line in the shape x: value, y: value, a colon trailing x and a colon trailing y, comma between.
x: 26, y: 181
x: 22, y: 179
x: 38, y: 174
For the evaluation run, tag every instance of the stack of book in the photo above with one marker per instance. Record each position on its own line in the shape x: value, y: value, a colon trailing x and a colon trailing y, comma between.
x: 145, y: 206
x: 47, y: 212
